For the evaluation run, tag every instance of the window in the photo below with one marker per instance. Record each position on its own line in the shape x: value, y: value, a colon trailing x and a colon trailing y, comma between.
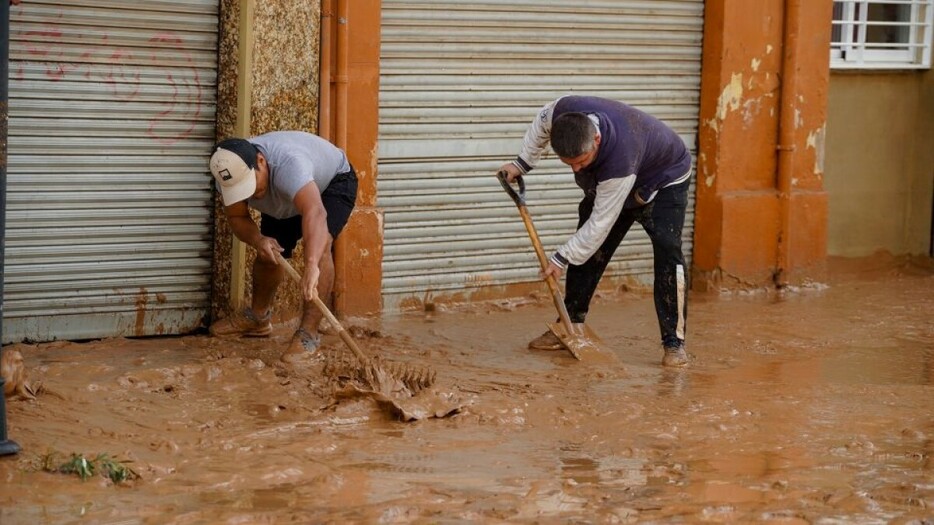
x: 881, y: 34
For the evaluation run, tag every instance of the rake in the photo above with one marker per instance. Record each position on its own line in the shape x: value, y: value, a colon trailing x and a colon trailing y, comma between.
x: 372, y: 371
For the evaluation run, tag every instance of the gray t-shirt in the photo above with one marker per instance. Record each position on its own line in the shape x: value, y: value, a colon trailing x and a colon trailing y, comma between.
x: 295, y: 158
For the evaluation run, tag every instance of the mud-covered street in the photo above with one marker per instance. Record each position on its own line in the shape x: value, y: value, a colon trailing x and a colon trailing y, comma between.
x: 812, y: 405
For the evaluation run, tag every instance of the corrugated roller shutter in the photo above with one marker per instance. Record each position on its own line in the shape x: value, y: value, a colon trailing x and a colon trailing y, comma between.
x: 109, y: 203
x: 461, y: 80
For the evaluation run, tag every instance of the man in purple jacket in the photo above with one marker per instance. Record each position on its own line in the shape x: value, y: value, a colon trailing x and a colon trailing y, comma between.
x: 632, y: 167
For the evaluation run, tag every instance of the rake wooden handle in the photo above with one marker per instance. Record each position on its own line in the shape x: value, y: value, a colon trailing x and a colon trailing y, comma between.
x: 365, y: 359
x: 374, y: 373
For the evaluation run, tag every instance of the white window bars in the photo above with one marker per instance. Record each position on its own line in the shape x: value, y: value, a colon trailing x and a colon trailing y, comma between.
x: 881, y: 34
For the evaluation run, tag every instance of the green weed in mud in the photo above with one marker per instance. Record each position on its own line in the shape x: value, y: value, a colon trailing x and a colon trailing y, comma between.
x: 114, y: 469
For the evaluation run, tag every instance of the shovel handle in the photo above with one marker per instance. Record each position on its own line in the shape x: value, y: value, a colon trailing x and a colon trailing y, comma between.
x: 519, y: 198
x: 558, y: 299
x: 289, y: 269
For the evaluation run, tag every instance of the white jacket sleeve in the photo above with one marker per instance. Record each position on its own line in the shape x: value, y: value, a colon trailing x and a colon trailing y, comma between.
x: 608, y: 205
x: 536, y: 139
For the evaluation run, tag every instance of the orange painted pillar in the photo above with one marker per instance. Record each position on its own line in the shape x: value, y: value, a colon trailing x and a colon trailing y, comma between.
x: 803, y: 242
x: 355, y: 104
x: 746, y: 228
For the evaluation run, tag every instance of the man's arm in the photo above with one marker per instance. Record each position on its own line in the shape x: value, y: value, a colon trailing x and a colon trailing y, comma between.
x: 533, y: 144
x: 243, y: 226
x: 536, y: 139
x: 611, y: 195
x: 315, y: 235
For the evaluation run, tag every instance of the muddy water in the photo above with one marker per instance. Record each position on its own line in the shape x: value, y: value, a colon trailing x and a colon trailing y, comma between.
x: 815, y: 405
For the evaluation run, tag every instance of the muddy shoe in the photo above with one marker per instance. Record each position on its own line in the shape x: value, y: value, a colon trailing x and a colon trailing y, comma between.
x: 546, y: 341
x: 675, y: 357
x: 303, y: 345
x: 243, y: 323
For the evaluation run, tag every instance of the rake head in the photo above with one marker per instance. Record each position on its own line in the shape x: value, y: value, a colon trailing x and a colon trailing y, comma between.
x: 378, y: 375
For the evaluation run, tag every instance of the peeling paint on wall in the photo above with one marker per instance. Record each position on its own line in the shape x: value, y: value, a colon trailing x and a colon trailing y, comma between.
x: 702, y: 168
x: 374, y: 156
x: 729, y: 100
x: 730, y: 96
x: 816, y: 141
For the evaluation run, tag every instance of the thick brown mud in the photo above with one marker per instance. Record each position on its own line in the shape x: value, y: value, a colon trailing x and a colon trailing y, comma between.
x: 810, y: 405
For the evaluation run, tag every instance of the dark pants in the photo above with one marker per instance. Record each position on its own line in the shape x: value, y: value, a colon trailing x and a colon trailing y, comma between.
x: 663, y: 220
x: 338, y: 200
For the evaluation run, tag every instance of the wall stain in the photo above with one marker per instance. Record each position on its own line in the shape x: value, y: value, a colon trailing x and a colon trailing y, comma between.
x: 141, y: 300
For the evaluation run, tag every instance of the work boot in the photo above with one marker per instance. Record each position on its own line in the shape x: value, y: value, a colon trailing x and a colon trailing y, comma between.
x: 675, y: 357
x: 546, y: 341
x: 304, y: 344
x: 244, y: 323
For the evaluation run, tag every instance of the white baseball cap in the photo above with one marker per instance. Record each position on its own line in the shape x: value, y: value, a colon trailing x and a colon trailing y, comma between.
x: 233, y: 165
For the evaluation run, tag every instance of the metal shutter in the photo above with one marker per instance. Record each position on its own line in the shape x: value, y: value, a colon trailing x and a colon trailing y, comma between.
x: 109, y: 203
x: 460, y: 82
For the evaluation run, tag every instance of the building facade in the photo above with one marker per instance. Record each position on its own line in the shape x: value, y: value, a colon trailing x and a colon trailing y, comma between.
x: 806, y: 119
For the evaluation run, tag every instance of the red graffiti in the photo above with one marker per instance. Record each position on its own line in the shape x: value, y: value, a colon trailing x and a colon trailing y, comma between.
x: 58, y: 71
x: 34, y: 44
x: 167, y: 38
x: 121, y: 70
x: 187, y: 96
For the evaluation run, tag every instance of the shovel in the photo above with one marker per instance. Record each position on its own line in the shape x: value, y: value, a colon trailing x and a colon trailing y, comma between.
x: 578, y: 338
x: 386, y: 378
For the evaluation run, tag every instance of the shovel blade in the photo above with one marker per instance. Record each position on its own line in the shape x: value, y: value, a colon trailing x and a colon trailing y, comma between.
x: 584, y: 344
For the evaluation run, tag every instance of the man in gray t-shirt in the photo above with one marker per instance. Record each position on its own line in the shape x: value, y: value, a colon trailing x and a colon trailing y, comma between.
x: 304, y: 188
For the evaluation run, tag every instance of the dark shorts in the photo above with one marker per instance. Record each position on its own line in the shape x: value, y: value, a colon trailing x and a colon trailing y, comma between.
x: 338, y: 198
